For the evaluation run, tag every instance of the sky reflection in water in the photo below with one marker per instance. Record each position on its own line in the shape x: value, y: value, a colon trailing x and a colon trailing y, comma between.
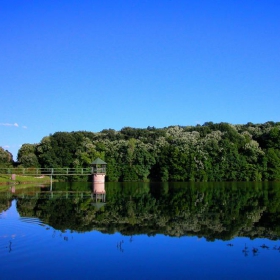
x: 31, y: 249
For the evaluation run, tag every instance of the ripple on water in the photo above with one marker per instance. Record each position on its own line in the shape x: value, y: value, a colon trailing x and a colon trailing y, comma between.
x: 22, y: 238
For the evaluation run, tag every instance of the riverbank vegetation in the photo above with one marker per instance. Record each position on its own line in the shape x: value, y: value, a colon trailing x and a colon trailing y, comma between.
x: 209, y: 152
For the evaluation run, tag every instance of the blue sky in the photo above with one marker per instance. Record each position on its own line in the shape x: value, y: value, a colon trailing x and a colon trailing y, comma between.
x: 90, y: 65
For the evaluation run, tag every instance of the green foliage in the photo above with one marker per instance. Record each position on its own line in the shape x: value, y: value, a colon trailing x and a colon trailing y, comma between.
x: 273, y: 164
x: 6, y: 158
x: 211, y: 152
x: 27, y: 156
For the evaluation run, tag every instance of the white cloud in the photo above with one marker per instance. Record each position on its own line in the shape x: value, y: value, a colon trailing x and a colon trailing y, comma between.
x: 6, y: 124
x: 13, y: 124
x: 9, y: 124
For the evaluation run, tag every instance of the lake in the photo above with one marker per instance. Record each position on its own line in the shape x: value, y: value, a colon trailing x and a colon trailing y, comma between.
x: 140, y: 231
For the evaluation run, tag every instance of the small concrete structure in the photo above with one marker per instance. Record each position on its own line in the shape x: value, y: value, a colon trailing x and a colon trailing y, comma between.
x: 99, y: 170
x: 99, y: 188
x: 98, y: 176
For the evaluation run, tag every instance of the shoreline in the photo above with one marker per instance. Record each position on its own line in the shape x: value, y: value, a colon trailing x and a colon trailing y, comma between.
x: 6, y: 180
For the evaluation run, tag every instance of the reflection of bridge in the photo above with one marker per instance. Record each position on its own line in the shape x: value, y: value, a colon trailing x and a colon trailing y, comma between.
x: 49, y: 194
x: 58, y: 194
x: 52, y: 171
x: 98, y: 193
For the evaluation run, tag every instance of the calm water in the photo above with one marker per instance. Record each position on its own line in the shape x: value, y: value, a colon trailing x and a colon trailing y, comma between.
x: 141, y: 231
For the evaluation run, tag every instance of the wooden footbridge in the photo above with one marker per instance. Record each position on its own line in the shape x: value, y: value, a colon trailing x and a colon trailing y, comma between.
x: 52, y: 171
x: 46, y: 171
x: 97, y: 167
x: 97, y: 171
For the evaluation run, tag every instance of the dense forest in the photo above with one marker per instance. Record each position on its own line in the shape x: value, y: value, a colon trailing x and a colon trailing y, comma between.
x: 209, y: 152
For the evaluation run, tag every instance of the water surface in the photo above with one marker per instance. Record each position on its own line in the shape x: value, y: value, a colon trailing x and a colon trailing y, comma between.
x: 141, y: 231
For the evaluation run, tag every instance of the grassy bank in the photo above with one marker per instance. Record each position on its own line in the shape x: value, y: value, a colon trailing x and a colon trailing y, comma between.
x: 6, y: 179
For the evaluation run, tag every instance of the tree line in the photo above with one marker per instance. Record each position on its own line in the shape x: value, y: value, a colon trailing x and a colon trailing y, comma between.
x: 208, y: 152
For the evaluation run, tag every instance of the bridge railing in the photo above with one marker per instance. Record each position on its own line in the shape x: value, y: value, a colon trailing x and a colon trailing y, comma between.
x: 47, y: 171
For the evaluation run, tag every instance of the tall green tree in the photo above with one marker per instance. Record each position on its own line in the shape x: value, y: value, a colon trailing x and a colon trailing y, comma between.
x: 6, y: 158
x: 27, y: 156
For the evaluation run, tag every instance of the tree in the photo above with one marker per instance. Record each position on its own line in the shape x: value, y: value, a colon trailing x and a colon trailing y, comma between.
x: 6, y: 158
x: 27, y: 155
x: 273, y: 164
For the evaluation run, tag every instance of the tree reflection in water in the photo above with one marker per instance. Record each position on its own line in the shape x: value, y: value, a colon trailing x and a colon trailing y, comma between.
x: 132, y: 233
x: 213, y: 210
